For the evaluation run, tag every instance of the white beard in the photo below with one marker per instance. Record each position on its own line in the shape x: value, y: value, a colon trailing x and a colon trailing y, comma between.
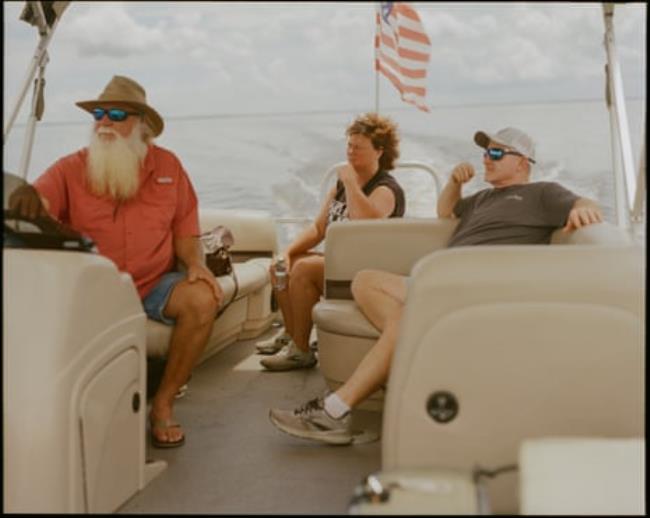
x: 114, y: 165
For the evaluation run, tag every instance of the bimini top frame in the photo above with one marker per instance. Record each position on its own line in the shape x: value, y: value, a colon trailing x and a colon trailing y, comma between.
x: 45, y: 16
x: 630, y: 191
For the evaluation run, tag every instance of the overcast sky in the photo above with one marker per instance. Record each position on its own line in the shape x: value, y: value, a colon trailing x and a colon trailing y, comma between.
x: 248, y: 57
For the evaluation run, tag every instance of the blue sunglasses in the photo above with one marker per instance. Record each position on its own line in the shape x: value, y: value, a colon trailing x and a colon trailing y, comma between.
x: 114, y: 114
x: 496, y: 153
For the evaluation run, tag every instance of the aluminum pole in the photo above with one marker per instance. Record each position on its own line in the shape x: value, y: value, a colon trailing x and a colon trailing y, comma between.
x: 619, y: 121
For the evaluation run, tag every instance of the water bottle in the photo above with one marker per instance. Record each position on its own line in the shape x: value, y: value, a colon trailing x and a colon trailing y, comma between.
x: 280, y: 274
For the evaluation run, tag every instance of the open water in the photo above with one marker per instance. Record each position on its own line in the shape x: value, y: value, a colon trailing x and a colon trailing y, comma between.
x: 276, y: 162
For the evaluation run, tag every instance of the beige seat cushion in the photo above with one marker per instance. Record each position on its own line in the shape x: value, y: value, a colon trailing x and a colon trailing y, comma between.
x: 343, y: 317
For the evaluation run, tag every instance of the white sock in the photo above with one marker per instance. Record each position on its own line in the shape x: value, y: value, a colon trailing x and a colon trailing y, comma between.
x: 335, y: 406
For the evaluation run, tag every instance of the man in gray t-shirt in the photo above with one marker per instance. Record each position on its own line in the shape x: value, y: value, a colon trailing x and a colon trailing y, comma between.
x: 513, y: 211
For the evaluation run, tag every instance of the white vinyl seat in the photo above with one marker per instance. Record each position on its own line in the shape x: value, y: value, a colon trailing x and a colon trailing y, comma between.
x: 503, y: 344
x: 538, y: 341
x: 582, y: 475
x: 250, y: 314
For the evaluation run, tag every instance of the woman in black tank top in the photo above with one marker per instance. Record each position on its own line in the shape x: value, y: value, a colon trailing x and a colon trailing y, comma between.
x: 364, y: 189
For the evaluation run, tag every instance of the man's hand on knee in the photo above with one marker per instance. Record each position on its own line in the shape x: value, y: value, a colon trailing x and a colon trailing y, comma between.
x: 200, y: 272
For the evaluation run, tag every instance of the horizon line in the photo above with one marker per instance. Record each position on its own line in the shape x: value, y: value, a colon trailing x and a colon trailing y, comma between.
x: 244, y: 115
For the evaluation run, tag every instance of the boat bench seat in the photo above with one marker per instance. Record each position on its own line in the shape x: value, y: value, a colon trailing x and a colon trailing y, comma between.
x: 394, y: 245
x: 250, y: 314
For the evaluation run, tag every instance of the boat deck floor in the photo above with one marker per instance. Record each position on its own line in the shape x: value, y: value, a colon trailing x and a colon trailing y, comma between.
x: 234, y: 461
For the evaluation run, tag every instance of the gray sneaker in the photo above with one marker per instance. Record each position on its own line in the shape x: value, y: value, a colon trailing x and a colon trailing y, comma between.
x: 310, y: 421
x: 273, y: 345
x: 289, y: 358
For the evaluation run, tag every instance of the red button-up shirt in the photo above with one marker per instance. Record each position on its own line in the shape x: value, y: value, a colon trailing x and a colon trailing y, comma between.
x: 137, y: 235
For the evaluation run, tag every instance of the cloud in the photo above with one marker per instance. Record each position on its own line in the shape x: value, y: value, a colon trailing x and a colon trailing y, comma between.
x: 516, y: 44
x: 109, y: 30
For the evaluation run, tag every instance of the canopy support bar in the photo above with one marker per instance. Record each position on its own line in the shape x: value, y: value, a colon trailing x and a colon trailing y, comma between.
x: 39, y: 61
x: 626, y: 188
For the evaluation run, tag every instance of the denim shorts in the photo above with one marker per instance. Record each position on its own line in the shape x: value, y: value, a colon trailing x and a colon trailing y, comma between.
x: 154, y: 303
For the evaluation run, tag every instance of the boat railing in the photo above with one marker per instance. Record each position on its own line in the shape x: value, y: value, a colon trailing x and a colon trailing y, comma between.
x: 299, y: 222
x: 400, y: 166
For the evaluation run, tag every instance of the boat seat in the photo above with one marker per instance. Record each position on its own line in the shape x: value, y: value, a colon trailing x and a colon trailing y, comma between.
x: 250, y: 314
x: 344, y: 334
x: 500, y: 344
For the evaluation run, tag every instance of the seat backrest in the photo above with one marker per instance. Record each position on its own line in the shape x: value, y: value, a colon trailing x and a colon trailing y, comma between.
x: 253, y: 230
x: 392, y: 245
x: 503, y: 343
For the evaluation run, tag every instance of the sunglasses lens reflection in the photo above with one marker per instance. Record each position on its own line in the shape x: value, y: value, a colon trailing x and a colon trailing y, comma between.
x: 114, y: 114
x: 495, y: 153
x: 117, y: 115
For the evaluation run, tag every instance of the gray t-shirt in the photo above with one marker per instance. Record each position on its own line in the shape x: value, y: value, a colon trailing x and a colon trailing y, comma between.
x: 518, y: 214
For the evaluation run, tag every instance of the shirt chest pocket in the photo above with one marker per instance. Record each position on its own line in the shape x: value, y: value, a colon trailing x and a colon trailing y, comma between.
x: 158, y: 206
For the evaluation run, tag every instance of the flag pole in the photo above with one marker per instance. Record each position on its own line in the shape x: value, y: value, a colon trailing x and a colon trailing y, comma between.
x: 377, y: 36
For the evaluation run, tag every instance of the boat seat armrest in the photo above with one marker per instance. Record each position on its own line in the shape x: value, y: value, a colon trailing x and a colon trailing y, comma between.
x: 596, y: 234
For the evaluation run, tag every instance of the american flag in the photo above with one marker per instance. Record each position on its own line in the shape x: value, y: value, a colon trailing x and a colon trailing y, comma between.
x: 402, y: 51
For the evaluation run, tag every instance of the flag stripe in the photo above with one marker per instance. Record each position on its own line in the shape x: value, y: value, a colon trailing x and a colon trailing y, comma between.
x: 415, y: 73
x: 411, y: 54
x: 405, y: 32
x: 409, y: 97
x: 390, y: 39
x: 403, y: 88
x: 406, y: 10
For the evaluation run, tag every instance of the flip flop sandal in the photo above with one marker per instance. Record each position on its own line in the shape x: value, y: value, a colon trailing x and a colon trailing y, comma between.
x: 165, y: 424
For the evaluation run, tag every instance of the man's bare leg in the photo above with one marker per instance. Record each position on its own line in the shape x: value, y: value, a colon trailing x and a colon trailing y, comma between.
x: 194, y: 307
x: 381, y: 297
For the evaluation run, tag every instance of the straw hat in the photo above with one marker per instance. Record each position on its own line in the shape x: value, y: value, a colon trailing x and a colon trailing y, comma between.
x: 124, y: 90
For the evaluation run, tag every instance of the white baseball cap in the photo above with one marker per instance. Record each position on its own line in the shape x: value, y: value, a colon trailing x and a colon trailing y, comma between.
x: 510, y: 137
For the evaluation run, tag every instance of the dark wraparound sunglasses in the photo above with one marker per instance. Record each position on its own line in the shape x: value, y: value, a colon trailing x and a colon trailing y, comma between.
x: 496, y: 153
x: 114, y: 114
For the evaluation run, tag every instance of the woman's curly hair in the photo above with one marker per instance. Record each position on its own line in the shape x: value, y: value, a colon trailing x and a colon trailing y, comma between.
x: 382, y: 132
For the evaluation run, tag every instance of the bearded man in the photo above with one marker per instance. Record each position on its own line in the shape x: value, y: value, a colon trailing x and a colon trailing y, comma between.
x: 136, y: 202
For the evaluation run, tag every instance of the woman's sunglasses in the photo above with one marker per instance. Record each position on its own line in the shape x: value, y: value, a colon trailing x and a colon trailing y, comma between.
x: 114, y: 114
x: 496, y: 153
